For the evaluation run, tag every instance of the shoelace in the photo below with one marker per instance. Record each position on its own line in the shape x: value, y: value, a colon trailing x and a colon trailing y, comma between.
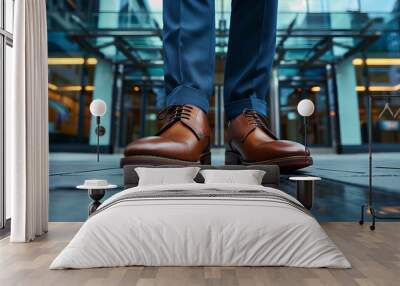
x: 256, y: 119
x: 175, y: 113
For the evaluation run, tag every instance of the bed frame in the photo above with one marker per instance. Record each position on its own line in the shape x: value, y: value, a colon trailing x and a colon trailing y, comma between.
x: 271, y: 177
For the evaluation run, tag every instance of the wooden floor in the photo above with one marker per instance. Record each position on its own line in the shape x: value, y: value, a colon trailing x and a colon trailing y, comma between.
x: 375, y: 257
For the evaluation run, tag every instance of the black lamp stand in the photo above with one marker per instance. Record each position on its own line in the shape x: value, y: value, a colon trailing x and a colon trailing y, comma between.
x: 305, y: 137
x: 100, y: 131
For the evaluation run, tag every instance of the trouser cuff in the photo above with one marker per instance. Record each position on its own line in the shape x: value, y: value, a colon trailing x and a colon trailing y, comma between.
x: 235, y: 108
x: 187, y: 95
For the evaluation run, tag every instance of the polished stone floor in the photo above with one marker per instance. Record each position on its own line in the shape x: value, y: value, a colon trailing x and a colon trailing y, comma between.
x: 338, y: 196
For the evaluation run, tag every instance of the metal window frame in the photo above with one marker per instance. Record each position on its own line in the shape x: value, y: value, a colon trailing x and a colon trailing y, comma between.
x: 6, y: 39
x: 2, y: 93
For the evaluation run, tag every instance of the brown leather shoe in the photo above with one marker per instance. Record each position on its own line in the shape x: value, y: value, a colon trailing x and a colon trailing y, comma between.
x: 251, y: 142
x: 183, y: 140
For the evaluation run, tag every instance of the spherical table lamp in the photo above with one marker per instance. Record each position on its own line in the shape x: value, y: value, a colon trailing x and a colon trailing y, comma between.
x: 305, y: 185
x: 98, y: 108
x: 305, y: 108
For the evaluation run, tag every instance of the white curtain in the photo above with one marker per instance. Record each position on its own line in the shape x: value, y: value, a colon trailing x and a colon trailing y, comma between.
x: 27, y: 124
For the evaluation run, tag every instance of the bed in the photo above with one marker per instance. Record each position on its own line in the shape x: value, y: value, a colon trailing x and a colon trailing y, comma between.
x: 197, y: 224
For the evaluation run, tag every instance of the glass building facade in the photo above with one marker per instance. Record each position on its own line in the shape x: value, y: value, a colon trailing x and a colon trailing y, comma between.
x: 335, y: 53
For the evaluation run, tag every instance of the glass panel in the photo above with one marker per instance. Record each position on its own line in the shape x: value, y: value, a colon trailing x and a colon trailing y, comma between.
x: 151, y: 124
x: 292, y: 127
x: 292, y: 5
x: 70, y: 93
x: 9, y: 13
x: 211, y: 115
x: 315, y: 6
x: 296, y: 55
x: 149, y: 55
x: 339, y: 5
x: 141, y: 105
x: 156, y: 72
x: 297, y: 42
x: 378, y: 6
x: 131, y: 113
x: 318, y: 6
x: 385, y: 111
x: 8, y: 81
x: 100, y: 40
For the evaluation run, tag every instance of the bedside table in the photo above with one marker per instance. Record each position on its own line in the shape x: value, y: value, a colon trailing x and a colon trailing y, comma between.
x: 305, y: 190
x: 96, y: 191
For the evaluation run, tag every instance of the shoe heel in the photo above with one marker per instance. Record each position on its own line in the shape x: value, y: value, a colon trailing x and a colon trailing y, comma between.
x: 205, y: 159
x: 232, y: 158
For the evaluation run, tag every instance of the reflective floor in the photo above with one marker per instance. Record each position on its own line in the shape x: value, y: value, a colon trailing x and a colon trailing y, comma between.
x: 337, y: 198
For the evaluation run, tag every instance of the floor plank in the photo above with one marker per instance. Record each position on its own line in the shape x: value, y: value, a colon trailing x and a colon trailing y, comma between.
x: 375, y: 257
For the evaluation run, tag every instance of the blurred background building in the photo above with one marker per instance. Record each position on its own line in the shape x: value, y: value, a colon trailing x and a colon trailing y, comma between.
x: 333, y: 52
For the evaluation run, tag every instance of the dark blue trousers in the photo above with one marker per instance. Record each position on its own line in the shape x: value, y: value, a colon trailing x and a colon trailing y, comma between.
x: 189, y: 53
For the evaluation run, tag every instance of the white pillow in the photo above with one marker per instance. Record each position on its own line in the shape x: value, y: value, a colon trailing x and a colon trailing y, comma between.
x: 166, y: 176
x: 248, y: 177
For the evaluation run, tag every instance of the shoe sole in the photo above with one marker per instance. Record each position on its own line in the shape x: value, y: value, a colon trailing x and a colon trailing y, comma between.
x: 205, y: 159
x: 287, y: 164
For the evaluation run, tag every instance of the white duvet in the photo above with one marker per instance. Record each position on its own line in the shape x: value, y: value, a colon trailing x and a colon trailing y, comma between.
x: 200, y: 231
